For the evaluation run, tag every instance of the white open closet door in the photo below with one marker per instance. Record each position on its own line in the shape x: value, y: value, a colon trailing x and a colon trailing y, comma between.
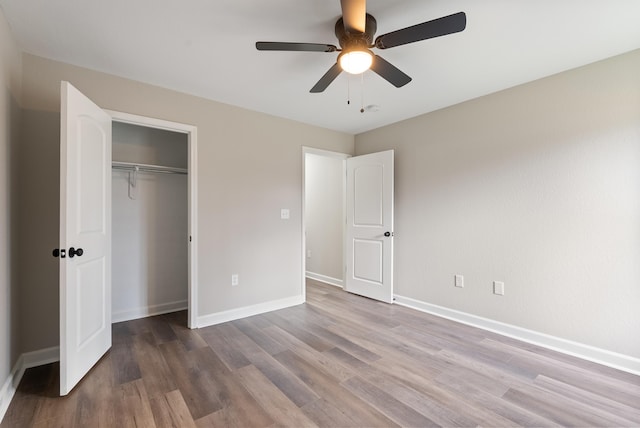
x: 85, y: 235
x: 369, y: 231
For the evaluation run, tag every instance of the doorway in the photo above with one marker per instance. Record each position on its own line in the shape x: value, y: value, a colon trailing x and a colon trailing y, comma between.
x: 156, y: 160
x: 149, y: 222
x: 324, y: 215
x: 347, y: 228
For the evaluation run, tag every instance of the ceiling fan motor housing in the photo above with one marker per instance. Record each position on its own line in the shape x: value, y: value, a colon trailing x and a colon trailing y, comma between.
x: 356, y: 41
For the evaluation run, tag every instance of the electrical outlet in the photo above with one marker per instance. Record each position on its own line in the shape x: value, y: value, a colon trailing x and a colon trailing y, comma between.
x: 234, y: 279
x: 459, y: 281
x: 498, y: 288
x: 284, y: 214
x: 308, y: 254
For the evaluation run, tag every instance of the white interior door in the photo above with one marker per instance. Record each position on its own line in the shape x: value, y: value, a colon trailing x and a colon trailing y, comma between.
x: 85, y: 235
x: 369, y: 231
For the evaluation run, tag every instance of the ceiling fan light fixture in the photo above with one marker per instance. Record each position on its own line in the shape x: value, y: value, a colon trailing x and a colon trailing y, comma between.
x: 356, y: 61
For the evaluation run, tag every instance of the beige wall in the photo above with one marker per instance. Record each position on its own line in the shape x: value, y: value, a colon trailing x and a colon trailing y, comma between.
x: 10, y: 88
x: 537, y: 186
x: 249, y: 167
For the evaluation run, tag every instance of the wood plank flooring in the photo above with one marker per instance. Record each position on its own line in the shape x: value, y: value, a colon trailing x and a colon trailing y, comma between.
x: 337, y: 361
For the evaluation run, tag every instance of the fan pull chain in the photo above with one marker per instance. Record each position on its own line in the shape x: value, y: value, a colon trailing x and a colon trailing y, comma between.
x: 348, y: 90
x: 362, y: 93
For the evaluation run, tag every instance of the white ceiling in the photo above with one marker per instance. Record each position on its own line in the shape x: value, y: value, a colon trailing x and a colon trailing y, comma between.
x: 207, y: 48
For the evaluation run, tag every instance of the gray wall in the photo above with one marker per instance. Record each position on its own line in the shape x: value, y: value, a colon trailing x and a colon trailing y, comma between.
x: 324, y: 200
x: 38, y: 204
x: 10, y: 89
x: 140, y: 144
x: 537, y: 186
x: 249, y: 167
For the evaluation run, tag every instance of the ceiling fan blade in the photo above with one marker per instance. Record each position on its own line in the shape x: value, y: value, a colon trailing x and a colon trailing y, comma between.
x: 354, y: 15
x: 290, y: 46
x: 389, y: 72
x: 326, y: 80
x: 427, y: 30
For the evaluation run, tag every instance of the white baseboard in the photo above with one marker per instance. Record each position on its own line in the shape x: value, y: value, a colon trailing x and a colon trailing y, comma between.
x: 248, y: 311
x: 586, y: 352
x: 40, y: 357
x: 25, y: 361
x: 149, y: 311
x: 326, y: 279
x: 9, y: 387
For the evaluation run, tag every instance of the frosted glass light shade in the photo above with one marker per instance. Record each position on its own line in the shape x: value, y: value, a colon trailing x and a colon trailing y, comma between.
x: 356, y: 62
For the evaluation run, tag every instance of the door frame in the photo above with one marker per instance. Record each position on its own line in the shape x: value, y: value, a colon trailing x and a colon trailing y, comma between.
x: 337, y: 155
x: 192, y: 198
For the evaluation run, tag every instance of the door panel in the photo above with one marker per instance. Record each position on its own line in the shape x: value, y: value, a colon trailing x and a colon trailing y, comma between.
x: 85, y: 223
x: 369, y: 215
x: 367, y: 256
x: 90, y: 312
x: 91, y: 176
x: 367, y: 195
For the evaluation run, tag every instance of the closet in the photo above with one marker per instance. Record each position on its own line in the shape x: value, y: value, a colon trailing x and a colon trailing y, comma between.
x: 149, y: 221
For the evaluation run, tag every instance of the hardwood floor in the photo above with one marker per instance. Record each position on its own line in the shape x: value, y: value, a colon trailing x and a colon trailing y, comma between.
x: 337, y: 361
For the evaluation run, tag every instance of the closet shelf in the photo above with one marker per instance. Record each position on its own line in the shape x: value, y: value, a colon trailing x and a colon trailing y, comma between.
x: 141, y: 167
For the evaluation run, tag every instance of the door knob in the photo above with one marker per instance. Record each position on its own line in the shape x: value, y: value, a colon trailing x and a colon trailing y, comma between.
x: 387, y: 234
x: 75, y: 252
x: 59, y: 253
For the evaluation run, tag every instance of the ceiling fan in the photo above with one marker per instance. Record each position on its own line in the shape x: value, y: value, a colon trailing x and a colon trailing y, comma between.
x: 355, y: 31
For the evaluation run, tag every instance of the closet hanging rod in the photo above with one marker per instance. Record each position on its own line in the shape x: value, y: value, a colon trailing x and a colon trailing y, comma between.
x: 129, y: 166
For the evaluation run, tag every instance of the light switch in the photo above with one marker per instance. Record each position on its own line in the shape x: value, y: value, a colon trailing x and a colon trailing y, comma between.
x: 284, y: 214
